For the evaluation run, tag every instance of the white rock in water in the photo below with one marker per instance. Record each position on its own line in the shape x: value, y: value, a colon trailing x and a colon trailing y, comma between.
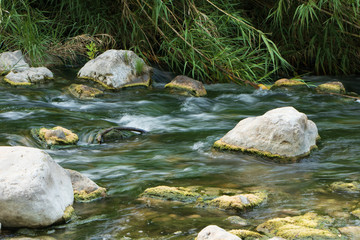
x: 116, y: 69
x: 213, y: 232
x: 12, y: 61
x: 29, y: 76
x: 282, y: 133
x: 34, y: 191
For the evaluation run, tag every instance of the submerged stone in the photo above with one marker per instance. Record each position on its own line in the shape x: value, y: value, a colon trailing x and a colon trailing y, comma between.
x: 246, y: 234
x: 352, y: 232
x: 331, y: 87
x: 308, y: 226
x: 34, y: 191
x: 353, y: 187
x: 84, y: 92
x: 117, y: 133
x: 29, y: 76
x: 237, y: 220
x: 12, y: 61
x: 238, y: 202
x: 194, y: 87
x: 171, y: 193
x: 283, y: 134
x: 116, y: 69
x: 55, y: 136
x: 356, y: 212
x: 213, y: 232
x: 289, y: 84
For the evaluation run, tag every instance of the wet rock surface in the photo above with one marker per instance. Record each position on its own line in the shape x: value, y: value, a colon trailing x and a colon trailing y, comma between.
x: 189, y: 85
x: 289, y: 84
x: 213, y: 232
x: 331, y: 87
x: 29, y: 76
x: 84, y: 92
x: 55, y: 136
x: 282, y: 133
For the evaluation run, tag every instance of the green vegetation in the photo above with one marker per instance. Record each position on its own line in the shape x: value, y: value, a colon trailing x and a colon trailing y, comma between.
x: 92, y: 50
x: 139, y: 66
x: 210, y: 40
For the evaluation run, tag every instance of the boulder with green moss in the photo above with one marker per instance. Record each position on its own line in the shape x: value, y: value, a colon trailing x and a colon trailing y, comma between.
x: 331, y: 87
x: 29, y: 76
x: 84, y: 92
x: 117, y: 69
x: 34, y: 191
x: 188, y: 85
x: 12, y: 61
x: 307, y: 226
x: 289, y: 84
x: 55, y: 136
x: 246, y: 234
x: 356, y: 212
x: 282, y: 134
x: 85, y: 189
x: 238, y: 202
x: 180, y: 194
x: 343, y: 187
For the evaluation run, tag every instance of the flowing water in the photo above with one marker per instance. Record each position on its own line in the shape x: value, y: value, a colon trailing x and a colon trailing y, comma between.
x: 177, y: 151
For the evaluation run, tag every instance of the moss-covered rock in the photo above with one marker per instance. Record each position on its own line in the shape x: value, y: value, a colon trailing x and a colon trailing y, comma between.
x: 236, y: 220
x: 194, y: 87
x: 84, y: 92
x: 352, y: 232
x: 343, y: 187
x: 264, y: 87
x: 289, y: 84
x: 331, y: 87
x: 246, y: 234
x: 85, y: 189
x: 55, y: 136
x: 308, y: 226
x: 238, y: 202
x: 181, y: 194
x: 69, y: 213
x: 356, y: 212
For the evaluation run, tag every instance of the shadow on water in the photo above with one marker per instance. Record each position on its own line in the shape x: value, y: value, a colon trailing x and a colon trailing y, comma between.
x: 178, y: 152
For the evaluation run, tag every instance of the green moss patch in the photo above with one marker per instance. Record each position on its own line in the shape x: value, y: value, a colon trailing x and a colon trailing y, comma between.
x: 69, y: 213
x: 238, y: 202
x: 331, y: 87
x: 83, y: 196
x: 289, y: 83
x: 353, y: 187
x: 84, y: 92
x: 55, y: 136
x: 171, y: 193
x: 189, y: 85
x: 246, y: 234
x: 308, y: 226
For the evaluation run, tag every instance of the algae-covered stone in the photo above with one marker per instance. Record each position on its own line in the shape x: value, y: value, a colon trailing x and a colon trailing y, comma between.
x: 289, y: 84
x: 28, y: 76
x: 308, y: 226
x: 263, y: 87
x: 84, y: 92
x: 331, y: 87
x: 237, y: 220
x: 246, y: 234
x: 85, y: 189
x: 352, y: 232
x: 283, y: 134
x: 194, y: 87
x: 238, y: 202
x: 356, y: 212
x: 171, y: 193
x: 34, y: 191
x: 213, y: 232
x: 12, y: 61
x: 353, y: 187
x: 56, y: 136
x: 116, y: 69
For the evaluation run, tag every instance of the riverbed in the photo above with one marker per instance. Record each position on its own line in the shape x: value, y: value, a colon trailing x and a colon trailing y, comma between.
x: 177, y: 151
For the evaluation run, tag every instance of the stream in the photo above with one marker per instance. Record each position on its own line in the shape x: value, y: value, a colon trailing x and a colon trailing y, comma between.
x: 177, y: 151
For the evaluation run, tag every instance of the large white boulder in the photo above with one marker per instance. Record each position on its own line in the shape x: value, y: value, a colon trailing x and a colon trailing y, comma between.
x: 12, y: 61
x: 213, y: 232
x: 29, y: 76
x: 34, y: 190
x: 116, y: 69
x: 282, y: 133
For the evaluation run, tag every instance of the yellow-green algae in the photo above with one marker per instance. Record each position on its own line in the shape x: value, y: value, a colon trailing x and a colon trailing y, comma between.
x: 45, y: 135
x: 219, y: 144
x: 238, y: 202
x: 356, y: 212
x: 83, y: 91
x: 196, y: 92
x: 135, y: 84
x: 181, y: 194
x: 16, y: 83
x: 288, y: 83
x: 246, y: 234
x: 331, y: 87
x: 68, y: 213
x: 308, y: 226
x: 264, y: 87
x: 353, y: 187
x: 83, y: 196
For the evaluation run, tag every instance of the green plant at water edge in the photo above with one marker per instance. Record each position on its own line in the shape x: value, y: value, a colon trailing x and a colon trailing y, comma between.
x: 139, y: 67
x: 92, y: 50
